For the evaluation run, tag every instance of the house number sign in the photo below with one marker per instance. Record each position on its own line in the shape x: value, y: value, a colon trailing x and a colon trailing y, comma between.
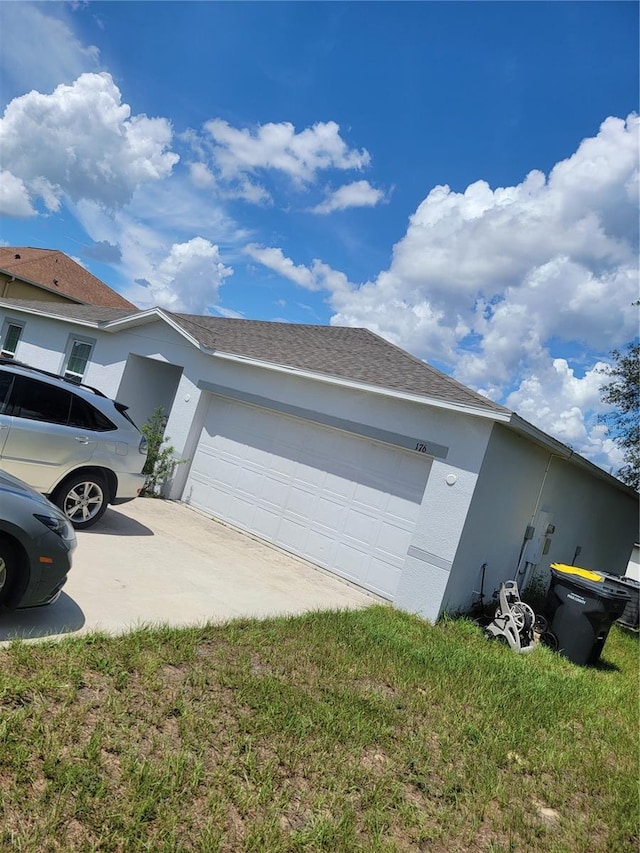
x: 420, y: 447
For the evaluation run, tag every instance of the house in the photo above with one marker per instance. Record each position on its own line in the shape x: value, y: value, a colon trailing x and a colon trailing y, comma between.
x: 345, y: 450
x: 51, y: 276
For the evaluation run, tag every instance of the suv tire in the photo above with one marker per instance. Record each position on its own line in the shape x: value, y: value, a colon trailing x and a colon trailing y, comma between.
x: 83, y: 499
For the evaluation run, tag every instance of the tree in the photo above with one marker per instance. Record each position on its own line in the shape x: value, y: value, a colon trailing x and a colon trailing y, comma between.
x: 622, y: 390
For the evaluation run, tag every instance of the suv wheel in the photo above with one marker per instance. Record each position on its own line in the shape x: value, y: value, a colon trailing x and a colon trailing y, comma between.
x: 8, y: 559
x: 83, y: 499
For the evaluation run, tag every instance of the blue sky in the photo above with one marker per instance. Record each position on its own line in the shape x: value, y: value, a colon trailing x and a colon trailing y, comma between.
x: 462, y: 178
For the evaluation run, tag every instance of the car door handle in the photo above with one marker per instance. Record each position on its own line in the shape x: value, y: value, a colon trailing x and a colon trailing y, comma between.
x: 83, y: 439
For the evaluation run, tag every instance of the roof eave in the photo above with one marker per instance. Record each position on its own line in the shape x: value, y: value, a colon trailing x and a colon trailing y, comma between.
x: 557, y: 448
x: 27, y: 309
x: 422, y: 399
x: 141, y: 318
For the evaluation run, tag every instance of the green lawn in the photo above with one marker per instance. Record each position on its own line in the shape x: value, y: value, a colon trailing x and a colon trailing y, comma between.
x: 353, y: 731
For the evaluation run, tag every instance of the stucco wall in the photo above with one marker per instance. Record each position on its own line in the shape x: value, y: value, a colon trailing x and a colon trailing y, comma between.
x: 523, y: 484
x: 503, y: 505
x: 600, y: 518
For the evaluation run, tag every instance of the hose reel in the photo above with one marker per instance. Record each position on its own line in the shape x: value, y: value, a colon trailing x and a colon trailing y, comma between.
x: 513, y: 620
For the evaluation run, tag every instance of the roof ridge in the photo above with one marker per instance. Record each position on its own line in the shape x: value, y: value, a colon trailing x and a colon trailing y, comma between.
x: 254, y: 321
x: 436, y: 370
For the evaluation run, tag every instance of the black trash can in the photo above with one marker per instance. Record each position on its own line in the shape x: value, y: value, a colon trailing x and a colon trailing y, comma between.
x: 582, y: 605
x: 631, y: 614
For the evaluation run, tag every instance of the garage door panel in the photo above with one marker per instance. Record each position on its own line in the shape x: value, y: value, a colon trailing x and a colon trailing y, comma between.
x: 363, y: 527
x: 330, y: 512
x: 224, y: 471
x: 321, y: 548
x: 301, y: 502
x: 241, y: 509
x: 286, y: 467
x: 345, y: 502
x: 266, y: 522
x: 392, y: 540
x: 341, y: 488
x: 381, y: 576
x: 352, y: 561
x: 292, y: 534
x: 275, y: 493
x: 250, y: 481
x: 367, y: 496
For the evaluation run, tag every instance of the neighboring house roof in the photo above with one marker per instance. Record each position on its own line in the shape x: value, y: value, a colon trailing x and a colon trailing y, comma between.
x: 58, y: 273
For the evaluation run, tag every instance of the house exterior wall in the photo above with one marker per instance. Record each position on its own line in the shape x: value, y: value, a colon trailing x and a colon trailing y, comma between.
x: 44, y: 341
x: 11, y: 288
x: 523, y: 484
x: 485, y: 487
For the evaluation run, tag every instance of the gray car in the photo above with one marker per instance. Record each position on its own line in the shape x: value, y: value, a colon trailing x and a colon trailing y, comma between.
x: 69, y: 442
x: 36, y: 546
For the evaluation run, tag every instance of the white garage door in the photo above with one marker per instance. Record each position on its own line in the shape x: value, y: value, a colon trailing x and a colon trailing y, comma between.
x: 343, y: 502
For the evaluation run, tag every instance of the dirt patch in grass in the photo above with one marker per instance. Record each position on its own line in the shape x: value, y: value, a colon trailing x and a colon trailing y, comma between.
x: 361, y: 731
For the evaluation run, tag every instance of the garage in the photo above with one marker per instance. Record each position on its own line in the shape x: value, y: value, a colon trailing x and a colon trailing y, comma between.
x: 344, y: 502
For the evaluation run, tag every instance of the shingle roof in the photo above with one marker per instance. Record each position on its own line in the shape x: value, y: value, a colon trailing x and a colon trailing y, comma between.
x: 59, y: 273
x: 94, y: 314
x: 347, y: 353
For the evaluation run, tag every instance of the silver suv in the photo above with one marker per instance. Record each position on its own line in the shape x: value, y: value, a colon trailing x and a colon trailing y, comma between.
x: 68, y: 442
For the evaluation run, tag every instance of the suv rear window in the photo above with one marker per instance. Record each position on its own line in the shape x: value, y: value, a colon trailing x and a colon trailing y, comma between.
x: 39, y: 401
x: 84, y: 415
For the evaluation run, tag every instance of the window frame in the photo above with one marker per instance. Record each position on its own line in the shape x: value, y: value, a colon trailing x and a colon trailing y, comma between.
x: 72, y: 375
x: 6, y: 326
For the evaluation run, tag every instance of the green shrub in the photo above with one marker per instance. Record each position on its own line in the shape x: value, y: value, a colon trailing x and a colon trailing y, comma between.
x: 161, y: 461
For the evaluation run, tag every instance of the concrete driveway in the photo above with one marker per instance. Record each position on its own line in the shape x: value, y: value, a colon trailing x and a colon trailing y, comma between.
x: 153, y: 561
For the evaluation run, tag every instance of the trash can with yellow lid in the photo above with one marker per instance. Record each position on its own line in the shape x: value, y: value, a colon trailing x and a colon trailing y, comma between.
x: 581, y: 606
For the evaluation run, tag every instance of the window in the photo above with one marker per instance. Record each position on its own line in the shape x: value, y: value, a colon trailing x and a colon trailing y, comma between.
x: 84, y: 415
x: 39, y: 401
x: 78, y: 355
x: 10, y: 337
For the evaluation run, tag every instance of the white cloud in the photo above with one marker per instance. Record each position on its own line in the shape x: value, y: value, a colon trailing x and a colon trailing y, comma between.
x: 497, y: 283
x: 187, y: 279
x: 238, y: 156
x: 82, y: 142
x: 39, y: 48
x: 356, y: 194
x: 274, y: 259
x: 318, y: 276
x: 14, y: 197
x: 515, y: 266
x: 201, y: 176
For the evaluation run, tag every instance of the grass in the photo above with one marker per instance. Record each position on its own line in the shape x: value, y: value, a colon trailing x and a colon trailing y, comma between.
x: 351, y: 731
